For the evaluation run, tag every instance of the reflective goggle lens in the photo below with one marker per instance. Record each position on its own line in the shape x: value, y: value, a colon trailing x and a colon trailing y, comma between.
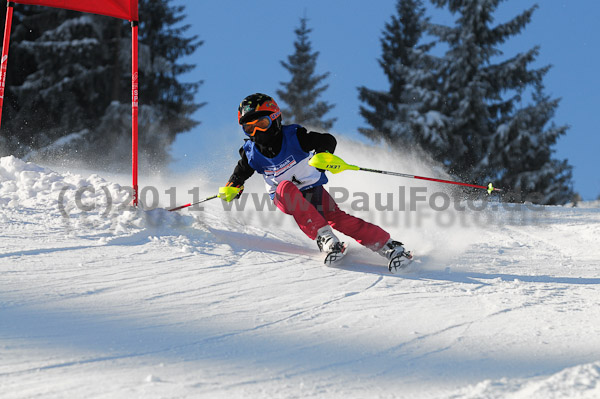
x: 261, y: 124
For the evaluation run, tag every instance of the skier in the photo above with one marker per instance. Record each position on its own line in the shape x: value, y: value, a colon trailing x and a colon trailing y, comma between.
x: 281, y: 154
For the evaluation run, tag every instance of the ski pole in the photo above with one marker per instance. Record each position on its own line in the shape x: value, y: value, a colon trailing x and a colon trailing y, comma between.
x: 227, y: 193
x: 194, y: 203
x: 335, y: 164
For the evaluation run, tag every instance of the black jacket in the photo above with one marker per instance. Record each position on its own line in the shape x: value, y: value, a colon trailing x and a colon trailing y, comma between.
x: 309, y: 141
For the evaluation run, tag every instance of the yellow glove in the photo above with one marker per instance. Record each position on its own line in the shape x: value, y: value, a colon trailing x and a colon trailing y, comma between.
x: 229, y: 193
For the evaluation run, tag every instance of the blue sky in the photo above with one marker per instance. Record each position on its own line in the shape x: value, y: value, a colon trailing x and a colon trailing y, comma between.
x: 244, y: 43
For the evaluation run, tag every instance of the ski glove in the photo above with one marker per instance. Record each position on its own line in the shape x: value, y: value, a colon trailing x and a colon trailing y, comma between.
x: 230, y: 192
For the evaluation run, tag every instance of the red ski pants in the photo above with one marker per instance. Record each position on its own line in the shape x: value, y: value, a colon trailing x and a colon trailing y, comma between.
x: 314, y: 208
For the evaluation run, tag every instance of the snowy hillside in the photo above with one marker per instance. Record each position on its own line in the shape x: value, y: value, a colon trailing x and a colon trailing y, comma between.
x: 100, y: 301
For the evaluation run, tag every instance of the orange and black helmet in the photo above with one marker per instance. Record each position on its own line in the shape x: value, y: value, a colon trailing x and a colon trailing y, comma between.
x: 256, y: 105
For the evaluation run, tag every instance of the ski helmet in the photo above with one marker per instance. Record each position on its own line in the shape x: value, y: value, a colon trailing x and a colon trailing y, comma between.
x: 256, y: 105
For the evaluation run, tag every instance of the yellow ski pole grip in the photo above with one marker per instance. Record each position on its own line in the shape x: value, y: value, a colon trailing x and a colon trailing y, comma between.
x: 228, y: 193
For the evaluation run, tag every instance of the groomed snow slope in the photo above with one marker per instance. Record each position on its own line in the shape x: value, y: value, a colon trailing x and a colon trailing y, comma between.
x: 124, y: 303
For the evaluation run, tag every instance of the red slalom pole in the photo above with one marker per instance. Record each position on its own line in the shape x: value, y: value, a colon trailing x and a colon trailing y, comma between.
x: 134, y: 110
x: 5, y: 45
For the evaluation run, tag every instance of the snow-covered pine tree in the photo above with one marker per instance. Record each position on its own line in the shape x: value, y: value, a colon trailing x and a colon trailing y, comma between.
x: 480, y: 96
x: 166, y: 103
x: 56, y: 70
x: 472, y: 86
x: 69, y: 84
x: 164, y: 41
x: 301, y: 93
x: 405, y: 113
x: 523, y: 146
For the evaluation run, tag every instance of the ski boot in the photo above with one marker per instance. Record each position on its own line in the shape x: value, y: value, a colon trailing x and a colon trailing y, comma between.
x: 398, y: 257
x: 331, y: 245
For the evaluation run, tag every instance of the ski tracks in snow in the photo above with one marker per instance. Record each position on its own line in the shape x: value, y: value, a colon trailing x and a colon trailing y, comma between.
x: 152, y: 304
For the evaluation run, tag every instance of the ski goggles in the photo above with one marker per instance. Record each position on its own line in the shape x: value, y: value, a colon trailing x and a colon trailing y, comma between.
x: 261, y: 124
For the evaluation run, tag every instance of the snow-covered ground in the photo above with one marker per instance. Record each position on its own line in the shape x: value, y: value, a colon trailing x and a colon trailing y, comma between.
x: 114, y: 302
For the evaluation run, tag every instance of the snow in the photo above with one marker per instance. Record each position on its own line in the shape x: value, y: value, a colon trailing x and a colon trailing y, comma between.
x: 116, y: 302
